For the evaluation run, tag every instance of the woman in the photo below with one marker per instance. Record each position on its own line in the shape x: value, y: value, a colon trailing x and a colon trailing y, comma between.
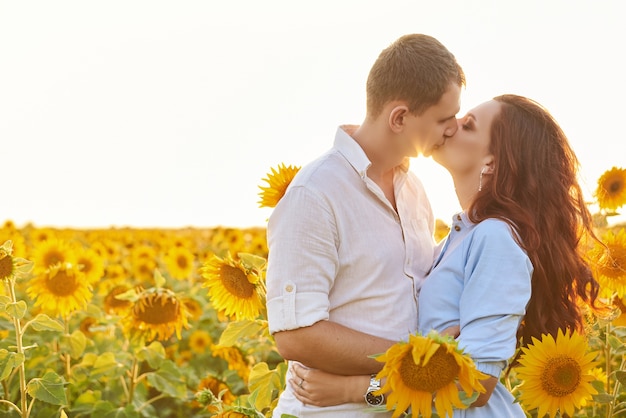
x: 510, y: 268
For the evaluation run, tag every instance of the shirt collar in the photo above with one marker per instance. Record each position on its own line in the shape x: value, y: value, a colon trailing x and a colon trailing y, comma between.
x: 353, y: 152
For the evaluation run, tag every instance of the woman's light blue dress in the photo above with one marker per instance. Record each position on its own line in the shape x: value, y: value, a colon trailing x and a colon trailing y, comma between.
x: 482, y: 283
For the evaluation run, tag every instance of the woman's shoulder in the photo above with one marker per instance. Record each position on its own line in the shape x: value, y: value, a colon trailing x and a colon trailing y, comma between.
x: 494, y: 229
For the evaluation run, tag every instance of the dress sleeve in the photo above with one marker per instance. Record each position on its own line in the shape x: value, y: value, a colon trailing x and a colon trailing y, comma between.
x: 302, y: 261
x: 496, y: 291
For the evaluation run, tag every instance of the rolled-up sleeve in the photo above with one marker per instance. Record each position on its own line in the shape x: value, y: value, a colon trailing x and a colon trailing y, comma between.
x: 496, y: 292
x: 302, y: 261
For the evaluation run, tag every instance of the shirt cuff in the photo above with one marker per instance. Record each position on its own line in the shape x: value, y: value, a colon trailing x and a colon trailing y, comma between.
x: 293, y: 309
x: 492, y: 368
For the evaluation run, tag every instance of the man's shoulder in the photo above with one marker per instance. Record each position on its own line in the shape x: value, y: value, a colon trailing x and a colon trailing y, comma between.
x: 326, y: 168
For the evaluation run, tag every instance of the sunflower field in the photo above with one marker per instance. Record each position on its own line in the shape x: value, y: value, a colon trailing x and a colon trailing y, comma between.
x: 125, y: 322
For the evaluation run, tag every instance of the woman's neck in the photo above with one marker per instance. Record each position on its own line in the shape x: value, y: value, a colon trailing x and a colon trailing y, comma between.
x: 466, y: 189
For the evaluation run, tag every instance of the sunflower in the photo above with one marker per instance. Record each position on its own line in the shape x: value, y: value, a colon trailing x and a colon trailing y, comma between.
x: 620, y: 303
x: 233, y: 288
x: 91, y: 263
x: 611, y: 191
x: 441, y: 230
x: 60, y: 290
x: 611, y: 262
x: 156, y: 314
x: 555, y: 374
x: 12, y: 267
x: 219, y: 390
x: 199, y: 341
x: 193, y: 307
x: 278, y: 181
x: 424, y: 368
x: 51, y: 252
x: 179, y: 262
x: 144, y: 261
x: 234, y: 358
x: 113, y: 305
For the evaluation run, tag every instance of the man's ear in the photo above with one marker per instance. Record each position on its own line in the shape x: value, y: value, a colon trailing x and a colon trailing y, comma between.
x: 396, y: 118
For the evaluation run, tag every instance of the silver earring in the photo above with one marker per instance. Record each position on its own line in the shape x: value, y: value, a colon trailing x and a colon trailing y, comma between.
x: 480, y: 180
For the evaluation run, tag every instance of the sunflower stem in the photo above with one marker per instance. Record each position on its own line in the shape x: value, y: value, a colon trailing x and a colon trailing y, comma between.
x: 11, y: 404
x: 616, y: 391
x: 10, y: 284
x: 149, y: 401
x: 607, y: 359
x: 133, y: 381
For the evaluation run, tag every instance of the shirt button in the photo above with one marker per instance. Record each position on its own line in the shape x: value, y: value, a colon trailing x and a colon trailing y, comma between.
x: 289, y: 288
x: 457, y: 228
x: 458, y: 217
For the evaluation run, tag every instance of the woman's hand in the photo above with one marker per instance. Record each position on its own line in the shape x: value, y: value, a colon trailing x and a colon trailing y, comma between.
x: 318, y: 388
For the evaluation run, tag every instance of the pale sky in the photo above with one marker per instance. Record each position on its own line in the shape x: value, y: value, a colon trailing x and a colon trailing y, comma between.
x: 170, y: 113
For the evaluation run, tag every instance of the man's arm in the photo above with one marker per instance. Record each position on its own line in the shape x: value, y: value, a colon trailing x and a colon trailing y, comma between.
x: 332, y: 348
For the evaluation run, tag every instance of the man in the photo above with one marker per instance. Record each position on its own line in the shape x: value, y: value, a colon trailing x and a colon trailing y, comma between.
x: 352, y: 238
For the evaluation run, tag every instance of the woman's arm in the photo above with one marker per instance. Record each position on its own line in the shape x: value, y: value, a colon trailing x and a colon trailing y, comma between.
x: 489, y: 385
x: 318, y: 388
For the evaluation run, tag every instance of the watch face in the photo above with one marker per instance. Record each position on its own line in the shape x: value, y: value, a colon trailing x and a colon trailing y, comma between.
x: 374, y: 400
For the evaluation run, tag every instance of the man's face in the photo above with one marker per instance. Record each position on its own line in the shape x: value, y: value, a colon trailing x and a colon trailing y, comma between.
x: 433, y: 126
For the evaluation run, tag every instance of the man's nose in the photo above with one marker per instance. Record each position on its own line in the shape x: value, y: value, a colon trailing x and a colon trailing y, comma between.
x: 452, y: 128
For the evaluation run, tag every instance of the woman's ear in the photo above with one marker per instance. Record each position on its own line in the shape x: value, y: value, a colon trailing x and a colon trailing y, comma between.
x: 489, y: 164
x: 396, y: 118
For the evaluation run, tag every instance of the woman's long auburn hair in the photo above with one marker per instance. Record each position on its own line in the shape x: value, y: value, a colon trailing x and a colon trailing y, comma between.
x: 534, y: 188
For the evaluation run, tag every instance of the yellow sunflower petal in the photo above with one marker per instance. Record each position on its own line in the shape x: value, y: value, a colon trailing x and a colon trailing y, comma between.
x: 278, y: 181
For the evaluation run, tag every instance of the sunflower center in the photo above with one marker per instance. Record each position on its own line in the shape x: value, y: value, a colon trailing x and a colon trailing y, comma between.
x: 155, y: 311
x: 561, y: 376
x: 62, y: 284
x: 87, y: 265
x: 182, y: 262
x: 615, y: 187
x: 440, y: 371
x: 6, y: 267
x: 236, y: 281
x: 53, y: 257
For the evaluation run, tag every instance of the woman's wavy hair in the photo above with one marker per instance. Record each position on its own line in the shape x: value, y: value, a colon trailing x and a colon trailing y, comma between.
x: 534, y: 188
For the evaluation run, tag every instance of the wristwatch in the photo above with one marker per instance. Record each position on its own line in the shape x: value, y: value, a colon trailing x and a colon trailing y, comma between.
x: 370, y: 398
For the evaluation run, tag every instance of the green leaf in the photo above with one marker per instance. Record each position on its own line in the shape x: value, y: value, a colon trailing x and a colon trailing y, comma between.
x: 617, y: 345
x: 16, y: 309
x: 154, y: 354
x: 43, y: 322
x: 598, y: 385
x: 602, y: 398
x: 621, y: 376
x: 4, y: 301
x: 263, y: 383
x: 105, y: 364
x: 9, y: 361
x: 105, y: 409
x: 85, y: 402
x: 468, y: 400
x: 22, y: 266
x: 49, y: 388
x: 236, y: 331
x: 77, y: 342
x: 130, y: 295
x: 167, y: 380
x: 159, y: 280
x: 252, y: 261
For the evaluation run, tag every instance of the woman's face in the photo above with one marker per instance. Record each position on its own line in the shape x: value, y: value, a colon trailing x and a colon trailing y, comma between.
x: 467, y: 151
